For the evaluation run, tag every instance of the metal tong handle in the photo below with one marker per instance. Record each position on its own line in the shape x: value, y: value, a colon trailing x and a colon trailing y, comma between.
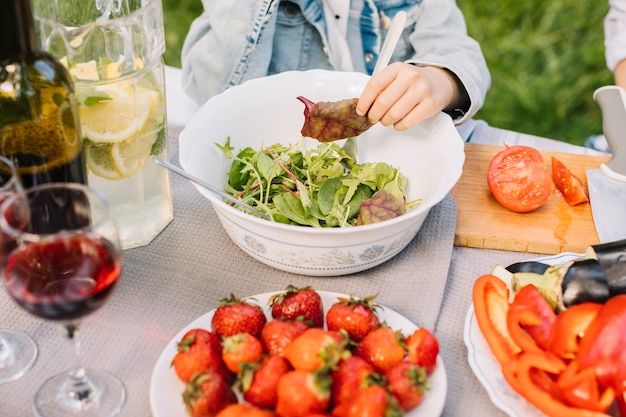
x: 209, y: 187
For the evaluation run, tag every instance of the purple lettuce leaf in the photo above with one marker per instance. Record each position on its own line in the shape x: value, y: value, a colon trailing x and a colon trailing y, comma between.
x: 328, y: 121
x: 382, y: 206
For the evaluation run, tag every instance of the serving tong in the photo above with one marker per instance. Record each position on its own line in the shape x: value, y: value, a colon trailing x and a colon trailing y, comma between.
x: 391, y: 41
x: 177, y: 170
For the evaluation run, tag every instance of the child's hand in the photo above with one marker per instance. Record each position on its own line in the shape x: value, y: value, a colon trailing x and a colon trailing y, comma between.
x: 403, y: 95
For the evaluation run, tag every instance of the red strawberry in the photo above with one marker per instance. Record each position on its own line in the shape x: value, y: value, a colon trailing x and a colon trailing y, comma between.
x: 234, y: 316
x: 198, y: 351
x: 372, y: 401
x: 298, y: 302
x: 207, y: 393
x: 277, y: 334
x: 382, y: 347
x: 356, y: 316
x: 407, y: 383
x: 302, y: 392
x: 422, y: 349
x: 244, y: 410
x: 259, y: 381
x: 352, y: 375
x: 314, y: 348
x: 240, y: 349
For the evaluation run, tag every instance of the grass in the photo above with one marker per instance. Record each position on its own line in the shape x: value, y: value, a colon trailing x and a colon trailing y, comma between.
x: 546, y: 58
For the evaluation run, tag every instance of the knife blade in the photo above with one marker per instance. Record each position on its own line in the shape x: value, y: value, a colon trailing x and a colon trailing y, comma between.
x: 607, y: 184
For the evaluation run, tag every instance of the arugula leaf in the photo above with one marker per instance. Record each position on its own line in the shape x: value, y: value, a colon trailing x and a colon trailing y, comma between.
x: 322, y: 187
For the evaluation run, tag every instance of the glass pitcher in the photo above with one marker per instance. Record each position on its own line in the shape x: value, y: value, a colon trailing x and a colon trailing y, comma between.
x: 113, y: 50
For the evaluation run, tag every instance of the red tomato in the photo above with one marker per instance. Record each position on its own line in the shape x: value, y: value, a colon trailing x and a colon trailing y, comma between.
x: 518, y: 179
x: 570, y: 186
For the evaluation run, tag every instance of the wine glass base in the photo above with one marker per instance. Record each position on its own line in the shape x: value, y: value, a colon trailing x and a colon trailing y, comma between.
x: 18, y: 353
x: 105, y: 398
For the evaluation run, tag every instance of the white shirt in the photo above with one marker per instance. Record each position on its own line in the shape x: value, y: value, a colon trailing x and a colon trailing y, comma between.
x: 615, y: 33
x: 336, y: 13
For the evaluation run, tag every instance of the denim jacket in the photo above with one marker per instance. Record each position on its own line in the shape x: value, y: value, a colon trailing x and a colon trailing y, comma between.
x: 232, y: 42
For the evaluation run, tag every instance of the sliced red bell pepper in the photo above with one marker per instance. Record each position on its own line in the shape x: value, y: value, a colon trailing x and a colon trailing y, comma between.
x: 602, y: 347
x: 580, y: 388
x: 540, y: 328
x: 519, y: 374
x: 490, y: 296
x: 569, y: 327
x: 518, y: 317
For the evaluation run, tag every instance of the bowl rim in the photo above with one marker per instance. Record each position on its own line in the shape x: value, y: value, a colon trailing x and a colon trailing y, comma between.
x: 425, y: 206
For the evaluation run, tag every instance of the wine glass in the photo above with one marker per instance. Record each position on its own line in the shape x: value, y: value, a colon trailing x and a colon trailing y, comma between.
x: 18, y: 351
x: 65, y: 265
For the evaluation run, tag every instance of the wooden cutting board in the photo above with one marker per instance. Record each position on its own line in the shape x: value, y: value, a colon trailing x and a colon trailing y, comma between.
x: 553, y: 228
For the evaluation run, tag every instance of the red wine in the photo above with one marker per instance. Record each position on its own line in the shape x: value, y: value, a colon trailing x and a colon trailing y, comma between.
x: 63, y: 279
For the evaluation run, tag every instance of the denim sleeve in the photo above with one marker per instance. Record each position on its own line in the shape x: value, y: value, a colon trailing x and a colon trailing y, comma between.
x: 218, y: 50
x: 439, y: 38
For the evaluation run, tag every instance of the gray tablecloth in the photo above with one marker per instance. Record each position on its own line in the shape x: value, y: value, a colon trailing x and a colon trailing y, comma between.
x: 192, y: 264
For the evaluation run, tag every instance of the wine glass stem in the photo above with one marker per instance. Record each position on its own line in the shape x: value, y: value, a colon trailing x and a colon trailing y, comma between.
x: 79, y: 388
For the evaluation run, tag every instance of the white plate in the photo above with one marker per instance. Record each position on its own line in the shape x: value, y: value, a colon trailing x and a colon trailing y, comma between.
x: 166, y: 388
x: 487, y: 369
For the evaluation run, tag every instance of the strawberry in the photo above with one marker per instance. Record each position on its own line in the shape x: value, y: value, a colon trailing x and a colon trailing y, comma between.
x: 315, y: 348
x: 356, y: 316
x: 234, y: 315
x: 244, y: 410
x: 407, y: 383
x: 301, y: 392
x: 198, y: 351
x: 382, y: 347
x: 352, y: 374
x: 239, y: 349
x: 422, y: 349
x: 259, y: 381
x: 372, y: 401
x: 207, y: 393
x: 278, y: 333
x: 295, y: 302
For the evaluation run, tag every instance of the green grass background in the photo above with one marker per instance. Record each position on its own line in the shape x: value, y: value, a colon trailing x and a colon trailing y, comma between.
x: 546, y: 58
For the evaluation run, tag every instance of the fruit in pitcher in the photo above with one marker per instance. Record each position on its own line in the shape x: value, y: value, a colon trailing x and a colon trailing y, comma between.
x: 121, y: 122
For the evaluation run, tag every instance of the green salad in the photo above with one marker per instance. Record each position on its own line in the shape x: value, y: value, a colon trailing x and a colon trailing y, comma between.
x: 321, y: 187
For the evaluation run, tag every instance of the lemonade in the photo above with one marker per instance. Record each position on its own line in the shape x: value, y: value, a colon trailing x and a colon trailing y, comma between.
x: 113, y: 49
x: 123, y: 124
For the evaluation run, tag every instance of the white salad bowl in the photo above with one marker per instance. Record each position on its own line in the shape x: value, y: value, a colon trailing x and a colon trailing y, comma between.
x: 265, y: 111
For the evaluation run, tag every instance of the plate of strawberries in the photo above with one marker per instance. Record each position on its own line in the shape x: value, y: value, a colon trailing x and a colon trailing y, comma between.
x: 296, y: 353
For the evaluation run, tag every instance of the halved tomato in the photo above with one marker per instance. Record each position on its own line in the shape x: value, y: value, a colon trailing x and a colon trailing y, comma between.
x: 570, y: 186
x: 518, y: 179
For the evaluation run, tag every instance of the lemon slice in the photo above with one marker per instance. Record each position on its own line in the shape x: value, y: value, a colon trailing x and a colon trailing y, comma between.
x: 120, y: 117
x: 131, y: 155
x: 99, y: 161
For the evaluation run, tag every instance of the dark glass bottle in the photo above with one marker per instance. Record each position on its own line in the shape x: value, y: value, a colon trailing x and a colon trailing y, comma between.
x: 39, y: 127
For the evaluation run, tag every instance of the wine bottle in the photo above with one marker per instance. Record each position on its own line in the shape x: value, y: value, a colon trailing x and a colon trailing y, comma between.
x: 39, y: 126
